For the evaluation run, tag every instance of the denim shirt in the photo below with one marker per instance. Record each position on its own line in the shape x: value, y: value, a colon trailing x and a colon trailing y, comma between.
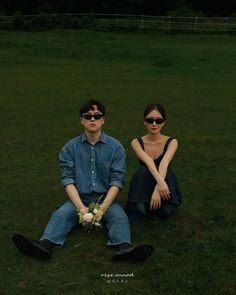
x: 93, y: 168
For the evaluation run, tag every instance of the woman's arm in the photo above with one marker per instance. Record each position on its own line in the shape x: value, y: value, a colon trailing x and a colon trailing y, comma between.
x: 144, y: 157
x: 171, y: 150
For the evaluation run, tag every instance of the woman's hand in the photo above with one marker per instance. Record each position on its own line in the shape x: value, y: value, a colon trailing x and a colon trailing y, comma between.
x: 163, y: 190
x: 155, y: 202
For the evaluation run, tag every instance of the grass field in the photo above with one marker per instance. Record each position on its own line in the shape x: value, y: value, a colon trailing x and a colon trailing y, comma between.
x: 44, y: 77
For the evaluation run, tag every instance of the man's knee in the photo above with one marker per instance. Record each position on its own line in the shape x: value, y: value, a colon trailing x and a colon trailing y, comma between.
x: 66, y: 212
x: 116, y: 214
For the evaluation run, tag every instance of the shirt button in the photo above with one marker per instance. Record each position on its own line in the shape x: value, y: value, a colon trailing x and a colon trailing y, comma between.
x: 92, y: 171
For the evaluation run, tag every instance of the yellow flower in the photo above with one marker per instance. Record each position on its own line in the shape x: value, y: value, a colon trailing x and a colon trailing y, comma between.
x: 92, y: 218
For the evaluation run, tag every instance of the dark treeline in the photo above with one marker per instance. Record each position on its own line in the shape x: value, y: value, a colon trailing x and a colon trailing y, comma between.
x: 146, y: 7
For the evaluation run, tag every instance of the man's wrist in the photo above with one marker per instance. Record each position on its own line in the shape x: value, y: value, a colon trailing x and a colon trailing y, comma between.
x: 103, y: 208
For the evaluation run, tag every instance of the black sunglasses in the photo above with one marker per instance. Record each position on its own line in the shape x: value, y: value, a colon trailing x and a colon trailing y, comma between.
x: 152, y: 120
x: 95, y: 116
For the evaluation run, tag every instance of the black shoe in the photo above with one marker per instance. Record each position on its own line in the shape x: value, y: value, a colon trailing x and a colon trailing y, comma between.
x: 31, y: 247
x: 133, y: 254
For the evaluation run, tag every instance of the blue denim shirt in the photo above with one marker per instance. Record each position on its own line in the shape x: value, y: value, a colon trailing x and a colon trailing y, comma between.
x: 93, y: 168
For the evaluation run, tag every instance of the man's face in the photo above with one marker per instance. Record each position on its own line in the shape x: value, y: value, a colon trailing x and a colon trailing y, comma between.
x: 93, y: 120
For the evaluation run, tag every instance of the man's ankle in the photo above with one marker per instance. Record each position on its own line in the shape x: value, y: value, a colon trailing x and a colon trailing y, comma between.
x: 48, y: 245
x: 123, y: 246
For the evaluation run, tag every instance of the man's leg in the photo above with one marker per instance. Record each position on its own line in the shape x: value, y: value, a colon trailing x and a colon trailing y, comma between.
x: 58, y: 228
x: 117, y: 224
x: 118, y: 227
x: 61, y: 224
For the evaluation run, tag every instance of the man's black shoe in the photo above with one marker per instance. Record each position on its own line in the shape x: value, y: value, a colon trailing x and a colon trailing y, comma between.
x: 133, y: 254
x: 31, y: 247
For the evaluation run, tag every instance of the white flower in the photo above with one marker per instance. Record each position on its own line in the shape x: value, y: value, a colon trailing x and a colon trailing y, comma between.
x: 97, y: 224
x: 88, y: 217
x: 95, y: 210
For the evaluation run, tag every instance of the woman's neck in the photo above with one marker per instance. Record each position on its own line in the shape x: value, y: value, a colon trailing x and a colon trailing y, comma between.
x: 154, y: 137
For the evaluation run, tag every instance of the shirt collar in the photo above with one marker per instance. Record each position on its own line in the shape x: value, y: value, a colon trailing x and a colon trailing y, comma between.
x: 102, y: 137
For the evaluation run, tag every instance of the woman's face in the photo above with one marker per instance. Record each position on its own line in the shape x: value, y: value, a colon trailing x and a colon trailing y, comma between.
x: 154, y: 122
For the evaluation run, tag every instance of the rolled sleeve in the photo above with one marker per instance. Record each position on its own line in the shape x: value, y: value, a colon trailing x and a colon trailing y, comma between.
x: 118, y: 168
x: 67, y: 164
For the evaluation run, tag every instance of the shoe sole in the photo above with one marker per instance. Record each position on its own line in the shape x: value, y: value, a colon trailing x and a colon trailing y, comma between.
x: 27, y: 247
x: 137, y: 254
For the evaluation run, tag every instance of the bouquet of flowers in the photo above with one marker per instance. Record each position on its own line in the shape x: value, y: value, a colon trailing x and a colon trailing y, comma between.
x: 92, y: 218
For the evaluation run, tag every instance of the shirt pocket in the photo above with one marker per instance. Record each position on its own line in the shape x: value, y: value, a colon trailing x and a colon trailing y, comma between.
x: 104, y: 172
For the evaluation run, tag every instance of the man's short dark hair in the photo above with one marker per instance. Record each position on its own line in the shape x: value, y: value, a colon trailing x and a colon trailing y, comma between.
x: 89, y: 105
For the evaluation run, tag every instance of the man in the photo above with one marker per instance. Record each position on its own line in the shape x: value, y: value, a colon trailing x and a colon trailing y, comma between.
x: 93, y: 164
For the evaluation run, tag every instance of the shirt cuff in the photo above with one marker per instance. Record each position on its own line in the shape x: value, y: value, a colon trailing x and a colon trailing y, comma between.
x: 116, y: 183
x: 67, y: 181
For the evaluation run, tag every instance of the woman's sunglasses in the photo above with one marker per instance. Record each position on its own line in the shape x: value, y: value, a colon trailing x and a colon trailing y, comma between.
x: 95, y: 116
x: 152, y: 120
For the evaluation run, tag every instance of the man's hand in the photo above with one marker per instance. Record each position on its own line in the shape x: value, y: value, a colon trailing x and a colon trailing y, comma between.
x: 98, y: 213
x: 103, y: 208
x: 83, y: 210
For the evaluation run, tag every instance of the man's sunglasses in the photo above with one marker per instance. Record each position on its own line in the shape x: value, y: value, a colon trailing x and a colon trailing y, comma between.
x: 95, y: 116
x: 152, y: 120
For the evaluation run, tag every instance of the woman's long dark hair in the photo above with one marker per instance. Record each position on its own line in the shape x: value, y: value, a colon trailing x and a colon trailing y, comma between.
x: 152, y: 107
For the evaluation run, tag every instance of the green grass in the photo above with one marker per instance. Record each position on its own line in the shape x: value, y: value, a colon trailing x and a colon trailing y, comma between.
x: 44, y: 77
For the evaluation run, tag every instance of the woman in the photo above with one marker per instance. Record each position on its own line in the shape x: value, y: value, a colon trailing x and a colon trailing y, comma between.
x: 153, y: 189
